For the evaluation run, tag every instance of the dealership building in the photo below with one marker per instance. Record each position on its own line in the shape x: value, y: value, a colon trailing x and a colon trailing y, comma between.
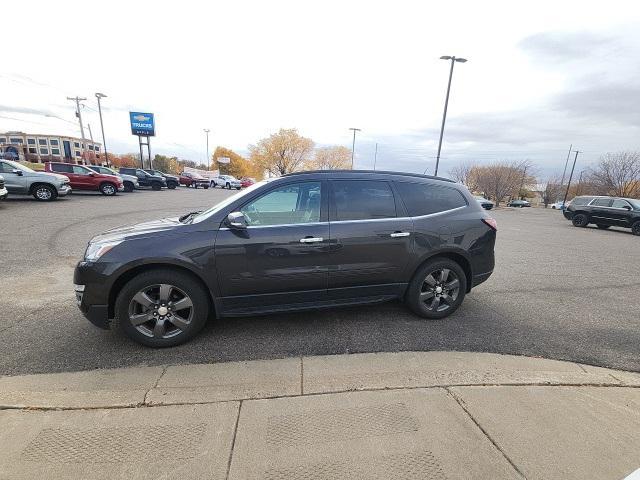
x: 49, y: 148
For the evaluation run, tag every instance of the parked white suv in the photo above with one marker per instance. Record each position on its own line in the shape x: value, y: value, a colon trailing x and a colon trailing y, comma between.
x: 226, y: 181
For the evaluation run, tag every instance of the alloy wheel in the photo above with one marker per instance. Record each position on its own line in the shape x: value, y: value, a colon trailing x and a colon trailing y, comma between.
x: 108, y: 189
x: 43, y: 193
x: 440, y: 290
x: 161, y: 311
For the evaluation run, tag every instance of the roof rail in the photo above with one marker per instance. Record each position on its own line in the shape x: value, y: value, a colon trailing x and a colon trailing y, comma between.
x: 384, y: 172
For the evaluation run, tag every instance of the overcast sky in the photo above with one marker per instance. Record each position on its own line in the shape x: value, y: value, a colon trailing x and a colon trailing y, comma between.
x: 540, y: 76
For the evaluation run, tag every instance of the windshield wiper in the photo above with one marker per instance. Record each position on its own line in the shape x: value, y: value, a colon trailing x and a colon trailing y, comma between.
x: 187, y: 216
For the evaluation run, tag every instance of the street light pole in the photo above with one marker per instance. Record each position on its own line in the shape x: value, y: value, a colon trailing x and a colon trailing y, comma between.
x: 104, y: 142
x: 446, y: 104
x: 570, y: 177
x: 353, y: 147
x: 206, y: 130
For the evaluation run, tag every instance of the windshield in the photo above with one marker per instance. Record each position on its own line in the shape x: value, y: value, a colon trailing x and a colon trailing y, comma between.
x: 19, y: 166
x: 634, y: 203
x: 219, y: 206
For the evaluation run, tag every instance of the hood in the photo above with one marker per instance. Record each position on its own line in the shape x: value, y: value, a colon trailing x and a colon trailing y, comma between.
x: 138, y: 230
x: 112, y: 177
x: 131, y: 178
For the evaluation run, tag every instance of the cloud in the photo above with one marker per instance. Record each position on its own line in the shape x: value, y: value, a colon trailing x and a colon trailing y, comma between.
x: 568, y: 46
x: 24, y: 110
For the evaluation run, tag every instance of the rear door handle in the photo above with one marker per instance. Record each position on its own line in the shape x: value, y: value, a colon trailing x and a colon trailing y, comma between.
x: 311, y: 240
x: 399, y: 234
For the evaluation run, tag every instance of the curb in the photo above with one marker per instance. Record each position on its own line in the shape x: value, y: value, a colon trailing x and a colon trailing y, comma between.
x: 292, y: 377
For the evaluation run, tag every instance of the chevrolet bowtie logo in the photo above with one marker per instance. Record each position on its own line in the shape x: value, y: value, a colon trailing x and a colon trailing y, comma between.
x: 142, y: 118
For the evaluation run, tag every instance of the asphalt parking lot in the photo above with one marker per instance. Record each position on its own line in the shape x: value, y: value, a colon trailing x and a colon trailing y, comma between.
x: 557, y: 292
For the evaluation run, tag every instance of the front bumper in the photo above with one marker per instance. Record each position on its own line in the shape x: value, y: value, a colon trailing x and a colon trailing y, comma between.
x: 64, y: 190
x: 92, y: 297
x: 121, y: 188
x: 567, y: 214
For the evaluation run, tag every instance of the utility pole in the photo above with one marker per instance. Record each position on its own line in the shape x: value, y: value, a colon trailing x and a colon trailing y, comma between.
x: 90, y: 134
x: 453, y: 59
x: 206, y: 130
x: 104, y: 142
x: 565, y: 166
x: 570, y: 177
x: 79, y: 115
x: 375, y: 157
x: 353, y: 147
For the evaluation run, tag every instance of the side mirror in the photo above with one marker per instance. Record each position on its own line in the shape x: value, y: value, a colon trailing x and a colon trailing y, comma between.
x: 17, y: 172
x: 627, y: 208
x: 91, y: 174
x: 236, y: 220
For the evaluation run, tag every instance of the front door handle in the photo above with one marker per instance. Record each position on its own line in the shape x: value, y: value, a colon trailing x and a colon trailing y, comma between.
x: 400, y: 234
x: 311, y: 239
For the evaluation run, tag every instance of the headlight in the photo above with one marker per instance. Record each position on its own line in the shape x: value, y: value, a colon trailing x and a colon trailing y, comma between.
x: 98, y: 249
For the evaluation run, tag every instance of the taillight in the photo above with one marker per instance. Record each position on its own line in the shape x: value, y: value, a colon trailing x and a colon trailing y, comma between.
x: 491, y: 222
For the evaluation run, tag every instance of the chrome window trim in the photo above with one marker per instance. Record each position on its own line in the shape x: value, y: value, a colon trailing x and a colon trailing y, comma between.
x: 273, y: 226
x: 418, y: 217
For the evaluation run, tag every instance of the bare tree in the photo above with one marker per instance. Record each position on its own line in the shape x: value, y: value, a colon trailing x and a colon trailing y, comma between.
x: 552, y: 190
x: 283, y: 152
x: 464, y: 173
x: 618, y: 174
x: 499, y: 179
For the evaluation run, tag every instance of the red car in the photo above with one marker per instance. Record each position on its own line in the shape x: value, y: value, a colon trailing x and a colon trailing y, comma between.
x: 247, y: 181
x: 193, y: 180
x: 83, y: 178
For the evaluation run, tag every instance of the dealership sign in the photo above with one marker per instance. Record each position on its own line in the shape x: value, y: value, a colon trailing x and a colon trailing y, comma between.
x: 142, y: 124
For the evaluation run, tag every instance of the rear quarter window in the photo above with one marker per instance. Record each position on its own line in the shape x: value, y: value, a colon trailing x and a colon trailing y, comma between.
x: 425, y: 198
x: 581, y: 200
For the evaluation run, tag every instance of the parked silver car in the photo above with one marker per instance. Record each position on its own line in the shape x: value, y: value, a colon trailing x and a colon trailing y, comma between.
x: 226, y: 181
x: 44, y: 186
x: 130, y: 181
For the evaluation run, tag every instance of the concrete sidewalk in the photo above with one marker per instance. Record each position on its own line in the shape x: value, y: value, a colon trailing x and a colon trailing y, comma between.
x: 432, y: 415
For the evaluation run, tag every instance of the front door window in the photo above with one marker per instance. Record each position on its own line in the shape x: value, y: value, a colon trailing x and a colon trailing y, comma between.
x: 288, y: 205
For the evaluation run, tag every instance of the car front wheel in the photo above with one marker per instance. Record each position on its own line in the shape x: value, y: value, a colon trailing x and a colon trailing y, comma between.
x: 44, y: 193
x: 162, y: 308
x: 580, y: 220
x: 635, y: 228
x: 108, y: 189
x: 437, y: 289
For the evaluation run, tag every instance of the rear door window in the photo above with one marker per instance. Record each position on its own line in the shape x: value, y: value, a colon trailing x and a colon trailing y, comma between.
x: 426, y: 199
x: 602, y: 202
x: 362, y: 200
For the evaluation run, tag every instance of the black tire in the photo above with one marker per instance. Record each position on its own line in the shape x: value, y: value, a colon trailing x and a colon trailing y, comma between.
x: 147, y: 333
x: 238, y: 188
x: 206, y: 187
x: 172, y: 185
x: 422, y: 296
x: 108, y: 189
x: 603, y: 227
x: 128, y: 187
x: 580, y: 220
x: 44, y: 193
x: 156, y: 186
x: 635, y: 228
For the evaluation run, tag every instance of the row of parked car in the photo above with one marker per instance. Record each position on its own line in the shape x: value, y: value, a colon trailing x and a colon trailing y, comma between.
x: 59, y: 179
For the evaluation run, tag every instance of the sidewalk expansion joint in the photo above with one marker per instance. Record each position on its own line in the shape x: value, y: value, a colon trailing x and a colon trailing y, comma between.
x: 460, y: 402
x: 233, y: 441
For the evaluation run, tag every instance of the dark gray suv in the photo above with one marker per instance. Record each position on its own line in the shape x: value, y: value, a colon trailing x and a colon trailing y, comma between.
x: 302, y: 241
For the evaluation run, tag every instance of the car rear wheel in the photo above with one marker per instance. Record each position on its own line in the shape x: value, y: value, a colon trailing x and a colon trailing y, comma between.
x: 172, y: 185
x: 44, y: 193
x: 128, y: 187
x: 603, y: 227
x: 580, y: 220
x: 437, y: 289
x: 635, y: 228
x: 162, y: 308
x: 156, y: 186
x: 206, y: 186
x: 108, y: 189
